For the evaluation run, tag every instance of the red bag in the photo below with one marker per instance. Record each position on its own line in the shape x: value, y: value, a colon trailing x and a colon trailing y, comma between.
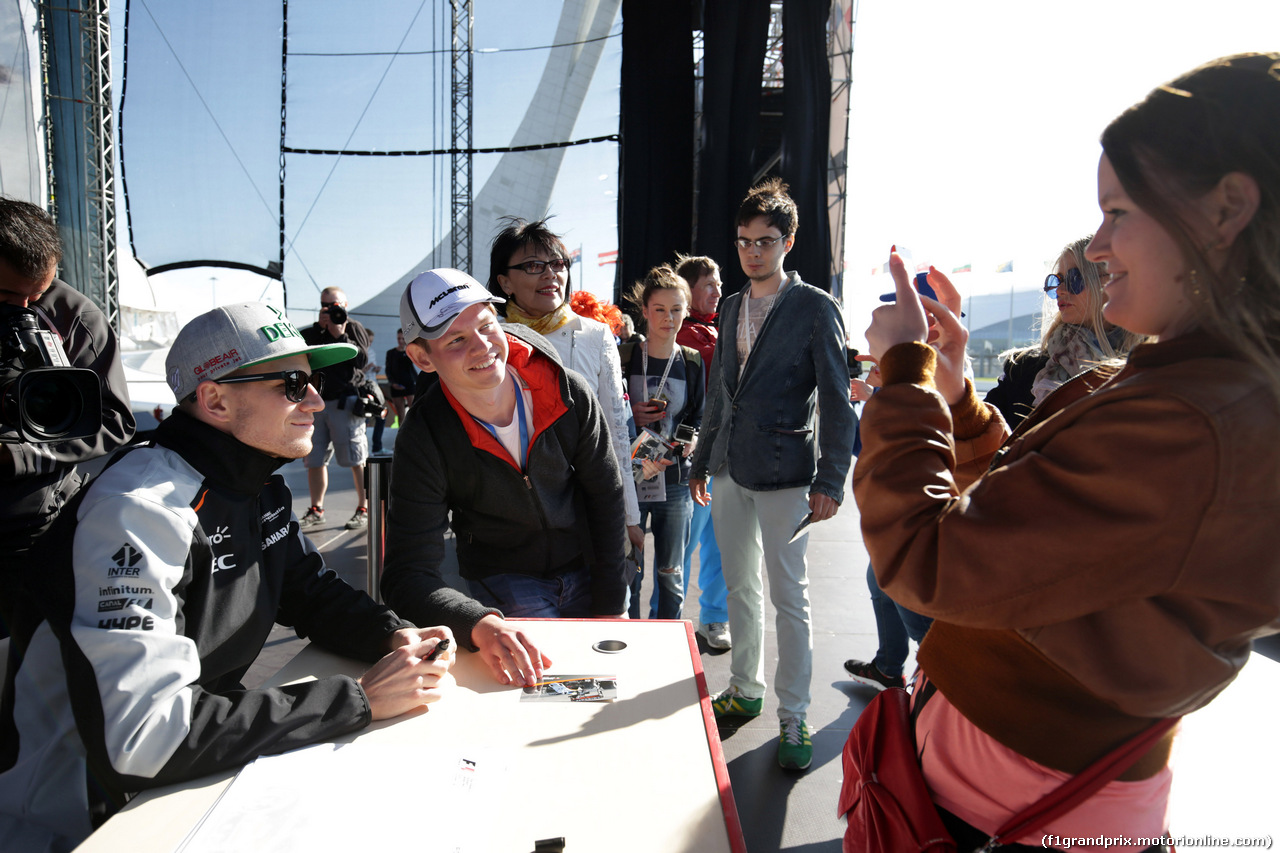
x: 888, y: 804
x: 884, y: 794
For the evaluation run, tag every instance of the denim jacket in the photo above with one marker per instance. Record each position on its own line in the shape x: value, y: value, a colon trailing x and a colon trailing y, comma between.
x: 762, y: 425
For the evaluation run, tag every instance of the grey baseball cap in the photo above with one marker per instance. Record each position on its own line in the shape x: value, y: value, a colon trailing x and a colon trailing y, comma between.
x: 234, y: 336
x: 434, y: 299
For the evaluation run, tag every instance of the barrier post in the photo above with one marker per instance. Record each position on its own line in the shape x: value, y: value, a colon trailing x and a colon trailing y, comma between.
x: 377, y: 486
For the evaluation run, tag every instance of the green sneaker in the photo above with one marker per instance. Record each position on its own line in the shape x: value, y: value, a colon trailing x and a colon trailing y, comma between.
x: 731, y: 703
x: 795, y: 751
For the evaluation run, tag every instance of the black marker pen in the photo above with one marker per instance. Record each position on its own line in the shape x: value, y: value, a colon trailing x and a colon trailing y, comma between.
x: 442, y: 646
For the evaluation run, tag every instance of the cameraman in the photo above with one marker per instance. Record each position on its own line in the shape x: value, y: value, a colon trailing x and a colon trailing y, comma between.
x: 339, y: 430
x: 37, y: 479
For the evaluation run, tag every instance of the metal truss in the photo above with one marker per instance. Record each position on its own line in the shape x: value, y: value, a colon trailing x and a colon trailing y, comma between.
x: 100, y: 157
x: 95, y: 126
x: 460, y: 160
x: 773, y: 74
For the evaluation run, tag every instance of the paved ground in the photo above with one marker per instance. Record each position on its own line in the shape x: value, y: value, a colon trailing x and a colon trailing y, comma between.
x: 779, y: 810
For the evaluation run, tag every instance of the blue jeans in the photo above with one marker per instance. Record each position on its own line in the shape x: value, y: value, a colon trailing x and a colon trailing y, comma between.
x: 566, y: 596
x: 894, y: 624
x: 669, y: 520
x: 713, y: 604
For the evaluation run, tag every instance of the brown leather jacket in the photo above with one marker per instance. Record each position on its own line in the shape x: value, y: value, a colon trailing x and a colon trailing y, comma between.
x: 1112, y: 566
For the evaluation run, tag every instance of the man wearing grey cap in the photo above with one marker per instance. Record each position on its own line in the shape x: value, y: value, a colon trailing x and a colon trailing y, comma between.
x: 165, y: 578
x: 512, y: 451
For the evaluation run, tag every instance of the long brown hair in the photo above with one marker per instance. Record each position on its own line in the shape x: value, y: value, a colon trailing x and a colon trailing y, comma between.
x: 1176, y: 145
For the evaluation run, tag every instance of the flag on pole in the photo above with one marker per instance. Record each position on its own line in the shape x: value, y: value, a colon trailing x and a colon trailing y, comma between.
x: 576, y: 255
x: 965, y: 268
x: 1007, y: 266
x: 606, y: 258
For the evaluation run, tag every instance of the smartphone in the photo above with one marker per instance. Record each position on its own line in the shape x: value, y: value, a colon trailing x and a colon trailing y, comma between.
x: 922, y: 287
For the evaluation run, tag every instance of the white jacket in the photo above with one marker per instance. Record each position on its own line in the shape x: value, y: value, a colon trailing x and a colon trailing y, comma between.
x: 588, y: 346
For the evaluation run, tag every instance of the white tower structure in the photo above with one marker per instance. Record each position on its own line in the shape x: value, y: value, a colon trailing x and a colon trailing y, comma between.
x: 521, y: 183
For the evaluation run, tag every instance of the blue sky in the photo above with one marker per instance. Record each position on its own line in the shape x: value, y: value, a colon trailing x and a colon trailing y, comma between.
x: 973, y: 136
x: 339, y: 231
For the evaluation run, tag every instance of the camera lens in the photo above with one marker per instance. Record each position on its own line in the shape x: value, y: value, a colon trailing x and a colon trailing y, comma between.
x: 52, y: 405
x: 337, y: 314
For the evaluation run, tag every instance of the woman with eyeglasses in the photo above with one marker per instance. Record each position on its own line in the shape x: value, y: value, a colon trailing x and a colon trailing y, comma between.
x: 1112, y: 568
x: 529, y: 267
x: 1077, y: 338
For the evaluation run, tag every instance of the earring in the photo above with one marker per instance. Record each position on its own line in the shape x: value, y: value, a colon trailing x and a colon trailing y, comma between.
x: 1195, y: 283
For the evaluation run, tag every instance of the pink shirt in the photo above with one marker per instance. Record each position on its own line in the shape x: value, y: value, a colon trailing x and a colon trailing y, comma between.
x: 984, y: 783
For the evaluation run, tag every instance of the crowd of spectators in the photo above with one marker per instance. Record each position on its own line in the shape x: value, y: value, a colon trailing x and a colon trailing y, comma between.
x: 550, y: 435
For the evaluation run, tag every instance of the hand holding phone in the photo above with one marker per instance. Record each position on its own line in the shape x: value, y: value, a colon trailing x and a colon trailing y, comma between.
x: 922, y: 287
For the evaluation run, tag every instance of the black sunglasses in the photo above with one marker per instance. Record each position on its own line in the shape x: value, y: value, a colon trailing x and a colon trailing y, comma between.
x: 295, y: 382
x: 539, y: 267
x: 1075, y: 283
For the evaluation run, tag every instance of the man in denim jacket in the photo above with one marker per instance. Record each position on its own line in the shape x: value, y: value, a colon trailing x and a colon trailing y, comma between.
x: 781, y: 350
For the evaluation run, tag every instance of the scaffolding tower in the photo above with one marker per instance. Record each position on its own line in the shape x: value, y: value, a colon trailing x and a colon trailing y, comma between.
x: 82, y: 186
x: 460, y: 159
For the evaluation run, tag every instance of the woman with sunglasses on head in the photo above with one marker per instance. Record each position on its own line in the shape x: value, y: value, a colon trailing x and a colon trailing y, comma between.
x: 529, y: 267
x: 1112, y: 568
x: 1078, y: 338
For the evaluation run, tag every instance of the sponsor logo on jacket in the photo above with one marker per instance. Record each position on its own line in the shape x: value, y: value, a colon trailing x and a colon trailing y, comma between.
x: 127, y: 562
x: 125, y: 590
x: 128, y: 623
x: 109, y: 605
x: 221, y: 562
x: 275, y: 537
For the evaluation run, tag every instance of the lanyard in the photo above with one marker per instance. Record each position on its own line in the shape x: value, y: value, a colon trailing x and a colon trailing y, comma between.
x: 644, y: 360
x: 524, y: 426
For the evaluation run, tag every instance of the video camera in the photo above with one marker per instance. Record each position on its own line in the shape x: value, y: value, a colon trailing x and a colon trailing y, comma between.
x: 42, y: 397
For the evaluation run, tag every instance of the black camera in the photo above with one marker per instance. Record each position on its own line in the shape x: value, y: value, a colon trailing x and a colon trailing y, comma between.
x: 368, y: 406
x: 42, y: 398
x: 855, y: 366
x: 337, y: 314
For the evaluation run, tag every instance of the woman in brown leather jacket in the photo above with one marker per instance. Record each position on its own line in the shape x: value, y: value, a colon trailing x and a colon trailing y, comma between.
x: 1114, y: 564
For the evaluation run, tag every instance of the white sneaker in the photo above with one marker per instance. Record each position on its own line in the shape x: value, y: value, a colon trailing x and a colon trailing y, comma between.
x: 716, y: 634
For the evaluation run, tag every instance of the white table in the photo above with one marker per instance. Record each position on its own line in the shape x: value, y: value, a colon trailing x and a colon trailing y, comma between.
x: 644, y: 773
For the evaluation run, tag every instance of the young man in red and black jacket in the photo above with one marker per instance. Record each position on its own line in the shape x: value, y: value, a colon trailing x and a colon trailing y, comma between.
x: 512, y: 451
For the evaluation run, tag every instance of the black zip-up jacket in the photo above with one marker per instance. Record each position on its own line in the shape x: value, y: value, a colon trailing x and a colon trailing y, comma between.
x: 165, y: 578
x: 566, y: 504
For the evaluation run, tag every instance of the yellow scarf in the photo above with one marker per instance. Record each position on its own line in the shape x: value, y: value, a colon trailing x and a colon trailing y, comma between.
x: 543, y: 325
